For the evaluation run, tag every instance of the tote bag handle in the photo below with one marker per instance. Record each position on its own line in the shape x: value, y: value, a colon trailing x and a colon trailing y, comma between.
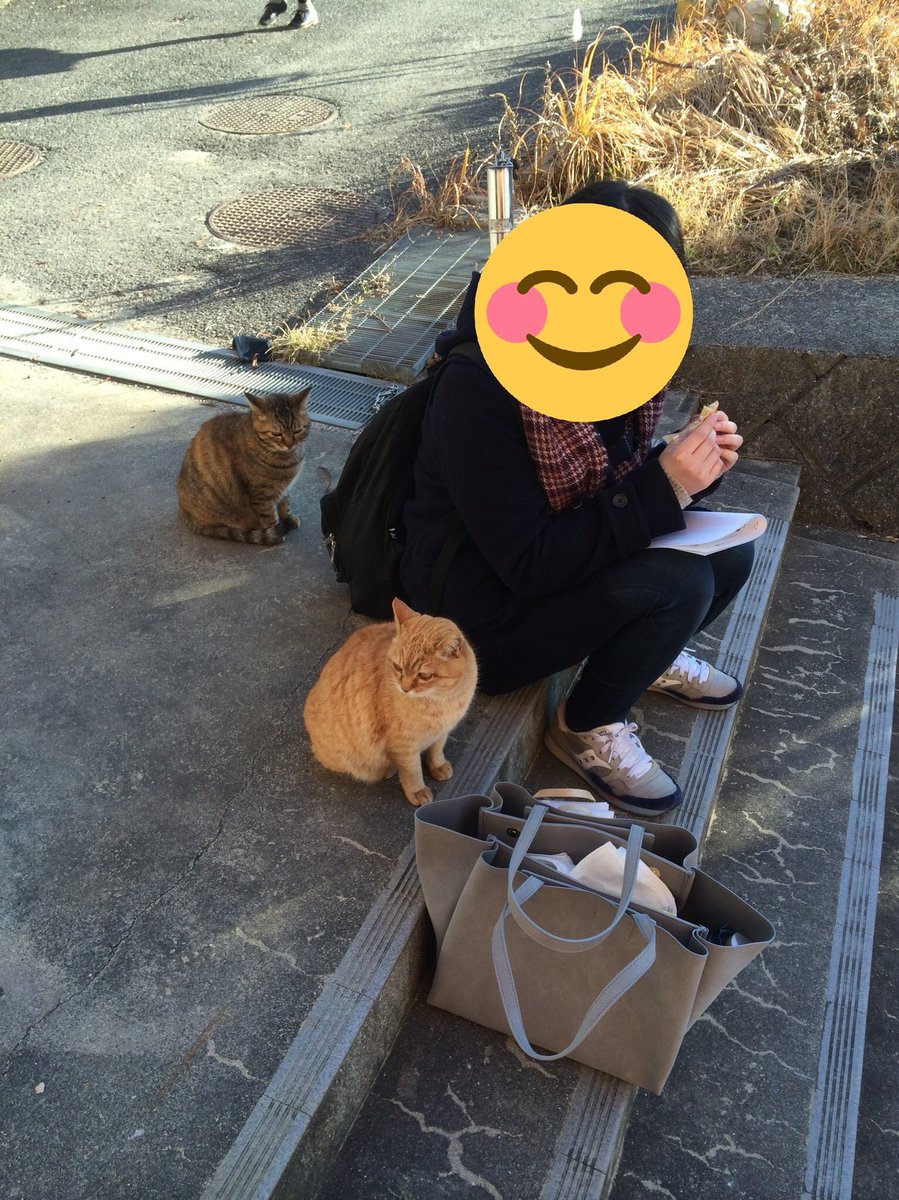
x: 516, y: 897
x: 614, y: 989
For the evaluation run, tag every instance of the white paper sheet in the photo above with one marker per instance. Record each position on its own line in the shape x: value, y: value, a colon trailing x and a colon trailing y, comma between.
x: 709, y: 532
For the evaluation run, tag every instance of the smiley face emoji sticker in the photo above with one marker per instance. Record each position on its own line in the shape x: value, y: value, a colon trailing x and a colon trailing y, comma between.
x: 583, y: 312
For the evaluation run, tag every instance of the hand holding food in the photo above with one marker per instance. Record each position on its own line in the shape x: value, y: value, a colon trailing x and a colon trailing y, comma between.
x: 696, y: 419
x: 693, y: 459
x: 729, y: 442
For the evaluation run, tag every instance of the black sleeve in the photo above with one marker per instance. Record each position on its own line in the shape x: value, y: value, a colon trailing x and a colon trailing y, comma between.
x: 493, y: 484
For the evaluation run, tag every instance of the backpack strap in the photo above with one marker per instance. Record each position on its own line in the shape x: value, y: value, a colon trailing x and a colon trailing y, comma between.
x: 457, y: 531
x: 470, y: 350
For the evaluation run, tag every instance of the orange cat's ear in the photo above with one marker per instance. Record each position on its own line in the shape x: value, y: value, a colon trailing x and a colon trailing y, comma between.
x: 402, y: 612
x: 452, y: 649
x: 298, y: 399
x: 255, y: 401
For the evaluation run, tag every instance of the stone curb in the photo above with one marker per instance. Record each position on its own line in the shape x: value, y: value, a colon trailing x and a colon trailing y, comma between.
x: 809, y: 369
x: 833, y: 414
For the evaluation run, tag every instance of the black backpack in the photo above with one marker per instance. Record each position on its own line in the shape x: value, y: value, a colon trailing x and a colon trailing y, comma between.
x: 362, y: 517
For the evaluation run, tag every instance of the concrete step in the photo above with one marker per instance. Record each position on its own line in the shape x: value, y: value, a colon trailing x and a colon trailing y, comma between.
x: 771, y: 1098
x: 287, y: 1144
x: 457, y: 1107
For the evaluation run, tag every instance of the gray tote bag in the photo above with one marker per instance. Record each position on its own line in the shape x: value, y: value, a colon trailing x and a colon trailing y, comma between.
x: 567, y: 971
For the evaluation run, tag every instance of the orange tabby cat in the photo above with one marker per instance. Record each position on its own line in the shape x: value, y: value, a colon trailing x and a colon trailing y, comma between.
x: 391, y: 692
x: 235, y: 475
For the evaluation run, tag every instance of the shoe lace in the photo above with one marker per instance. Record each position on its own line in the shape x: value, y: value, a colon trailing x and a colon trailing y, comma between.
x: 622, y: 746
x: 692, y: 669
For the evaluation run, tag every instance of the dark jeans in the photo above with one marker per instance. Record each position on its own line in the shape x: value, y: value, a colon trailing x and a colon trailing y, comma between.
x: 673, y: 596
x: 629, y: 621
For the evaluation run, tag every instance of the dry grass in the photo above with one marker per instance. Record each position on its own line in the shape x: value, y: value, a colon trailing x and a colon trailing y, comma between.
x: 309, y: 343
x: 375, y: 285
x: 447, y: 200
x: 777, y: 158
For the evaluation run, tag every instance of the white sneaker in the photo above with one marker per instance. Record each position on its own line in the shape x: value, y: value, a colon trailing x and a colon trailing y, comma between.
x: 698, y: 683
x: 612, y: 759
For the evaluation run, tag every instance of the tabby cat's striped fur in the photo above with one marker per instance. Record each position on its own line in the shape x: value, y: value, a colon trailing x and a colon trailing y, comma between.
x: 235, y: 475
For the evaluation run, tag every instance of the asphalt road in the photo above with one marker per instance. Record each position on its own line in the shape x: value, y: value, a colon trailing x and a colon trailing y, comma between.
x: 112, y: 223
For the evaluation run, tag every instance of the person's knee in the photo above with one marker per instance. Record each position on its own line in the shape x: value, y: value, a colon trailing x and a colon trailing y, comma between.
x: 668, y: 581
x: 732, y: 567
x: 688, y: 580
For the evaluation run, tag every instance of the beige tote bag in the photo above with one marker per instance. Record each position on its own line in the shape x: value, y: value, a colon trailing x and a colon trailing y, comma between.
x: 525, y: 950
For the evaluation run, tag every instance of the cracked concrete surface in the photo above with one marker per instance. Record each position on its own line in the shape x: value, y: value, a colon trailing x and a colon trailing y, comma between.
x: 456, y: 1112
x: 454, y: 1149
x: 734, y: 1116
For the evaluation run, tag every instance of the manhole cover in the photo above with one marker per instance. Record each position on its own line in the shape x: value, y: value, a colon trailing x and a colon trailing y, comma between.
x: 316, y: 216
x: 270, y: 114
x: 16, y: 157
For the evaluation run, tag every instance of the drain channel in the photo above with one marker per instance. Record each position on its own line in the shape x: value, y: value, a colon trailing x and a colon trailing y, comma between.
x: 337, y: 398
x: 391, y: 336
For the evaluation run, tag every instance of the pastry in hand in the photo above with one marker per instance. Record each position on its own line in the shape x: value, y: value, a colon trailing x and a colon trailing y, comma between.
x: 705, y: 411
x: 696, y: 419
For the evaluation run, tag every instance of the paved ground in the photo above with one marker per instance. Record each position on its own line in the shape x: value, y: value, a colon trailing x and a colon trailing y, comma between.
x: 169, y: 850
x: 164, y: 850
x: 177, y: 876
x: 114, y: 219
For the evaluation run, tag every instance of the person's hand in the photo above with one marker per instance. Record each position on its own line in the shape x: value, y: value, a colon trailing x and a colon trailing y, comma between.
x: 694, y: 459
x: 729, y: 441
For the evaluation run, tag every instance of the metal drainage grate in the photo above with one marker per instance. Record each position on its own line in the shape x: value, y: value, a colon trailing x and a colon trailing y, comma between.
x: 314, y: 216
x: 17, y: 157
x: 283, y: 113
x: 392, y: 336
x: 337, y: 399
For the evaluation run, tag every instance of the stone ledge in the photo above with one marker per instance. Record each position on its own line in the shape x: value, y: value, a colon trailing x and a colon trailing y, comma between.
x: 824, y: 423
x: 810, y: 372
x: 838, y: 314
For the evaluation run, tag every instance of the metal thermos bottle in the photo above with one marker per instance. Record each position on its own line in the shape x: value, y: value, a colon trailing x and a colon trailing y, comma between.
x: 499, y: 198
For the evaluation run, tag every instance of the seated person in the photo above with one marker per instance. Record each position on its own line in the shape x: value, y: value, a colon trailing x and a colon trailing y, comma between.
x: 554, y: 569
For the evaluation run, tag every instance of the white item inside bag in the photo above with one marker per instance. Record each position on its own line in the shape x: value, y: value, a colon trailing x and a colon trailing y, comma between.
x: 581, y: 808
x: 603, y: 869
x: 560, y: 862
x: 575, y: 801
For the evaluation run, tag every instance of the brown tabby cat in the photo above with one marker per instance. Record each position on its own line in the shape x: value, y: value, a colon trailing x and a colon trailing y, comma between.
x: 391, y: 691
x: 236, y: 472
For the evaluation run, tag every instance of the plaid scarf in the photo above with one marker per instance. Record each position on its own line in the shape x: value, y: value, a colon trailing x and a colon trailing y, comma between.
x: 571, y: 460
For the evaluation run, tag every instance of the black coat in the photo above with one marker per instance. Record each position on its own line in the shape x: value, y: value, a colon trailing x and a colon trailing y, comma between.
x: 522, y: 565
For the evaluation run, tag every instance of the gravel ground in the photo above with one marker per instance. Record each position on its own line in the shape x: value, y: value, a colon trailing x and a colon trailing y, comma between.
x: 112, y: 224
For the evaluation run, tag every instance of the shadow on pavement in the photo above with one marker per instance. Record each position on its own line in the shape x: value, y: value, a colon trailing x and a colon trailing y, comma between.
x: 173, y: 97
x: 25, y: 61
